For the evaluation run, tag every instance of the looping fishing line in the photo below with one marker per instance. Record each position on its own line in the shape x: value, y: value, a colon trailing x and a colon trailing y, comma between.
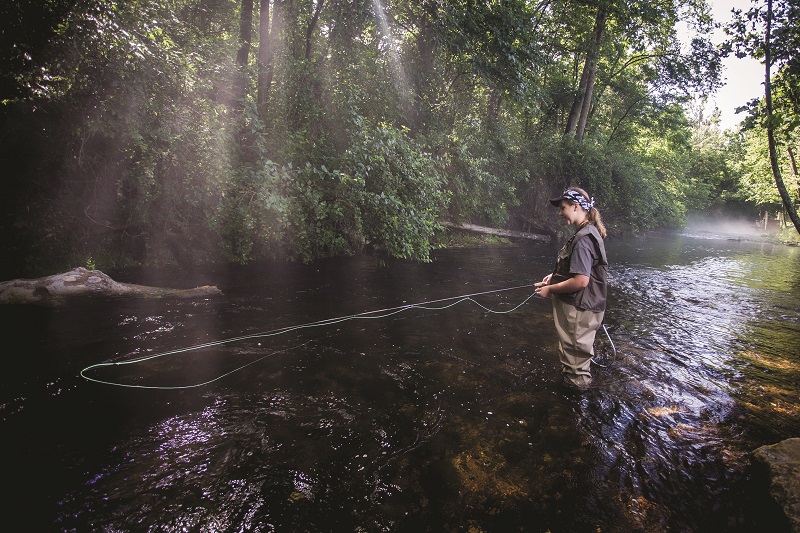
x: 613, y: 351
x: 367, y: 315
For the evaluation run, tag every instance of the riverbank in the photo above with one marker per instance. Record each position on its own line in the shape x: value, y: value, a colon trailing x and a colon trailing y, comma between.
x: 789, y: 236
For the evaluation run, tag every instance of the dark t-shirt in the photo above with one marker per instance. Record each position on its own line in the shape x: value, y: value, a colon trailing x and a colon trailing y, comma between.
x: 583, y: 256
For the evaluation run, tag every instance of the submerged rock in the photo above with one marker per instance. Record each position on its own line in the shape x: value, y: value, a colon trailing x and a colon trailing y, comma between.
x: 782, y: 461
x: 55, y: 289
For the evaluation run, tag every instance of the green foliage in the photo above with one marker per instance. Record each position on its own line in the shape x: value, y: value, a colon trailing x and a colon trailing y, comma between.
x: 253, y: 215
x: 772, y: 32
x: 755, y: 181
x: 496, y: 39
x: 653, y: 203
x: 484, y: 173
x: 709, y: 178
x: 789, y: 235
x: 747, y: 31
x: 635, y: 190
x: 403, y: 195
x: 325, y: 214
x: 152, y: 145
x: 182, y: 167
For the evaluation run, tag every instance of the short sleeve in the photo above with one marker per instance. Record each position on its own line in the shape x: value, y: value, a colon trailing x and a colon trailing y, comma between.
x: 582, y: 259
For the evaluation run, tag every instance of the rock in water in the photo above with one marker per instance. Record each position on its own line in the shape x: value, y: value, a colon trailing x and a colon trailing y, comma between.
x: 783, y: 466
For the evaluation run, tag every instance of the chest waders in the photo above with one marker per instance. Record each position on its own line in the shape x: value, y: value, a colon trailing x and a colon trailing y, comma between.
x: 579, y: 315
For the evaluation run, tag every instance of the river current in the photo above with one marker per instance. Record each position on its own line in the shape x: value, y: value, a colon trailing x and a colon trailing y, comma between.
x: 443, y: 417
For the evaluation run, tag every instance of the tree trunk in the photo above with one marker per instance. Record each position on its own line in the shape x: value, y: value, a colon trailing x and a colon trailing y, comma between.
x: 245, y: 33
x: 586, y: 104
x: 499, y: 232
x: 312, y: 26
x: 275, y: 43
x: 794, y: 169
x: 243, y: 55
x: 81, y: 283
x: 493, y: 105
x: 575, y: 112
x: 579, y: 114
x: 264, y: 59
x: 773, y: 152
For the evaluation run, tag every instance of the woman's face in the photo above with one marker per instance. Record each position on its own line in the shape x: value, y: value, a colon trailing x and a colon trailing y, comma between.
x: 573, y: 213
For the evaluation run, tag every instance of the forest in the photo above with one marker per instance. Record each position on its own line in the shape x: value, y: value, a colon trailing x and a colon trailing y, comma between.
x: 188, y: 132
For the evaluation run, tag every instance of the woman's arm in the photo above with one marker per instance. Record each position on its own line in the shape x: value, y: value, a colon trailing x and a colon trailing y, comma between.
x: 573, y: 284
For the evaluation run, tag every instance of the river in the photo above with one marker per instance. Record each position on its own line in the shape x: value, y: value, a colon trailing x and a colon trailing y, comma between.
x: 443, y: 417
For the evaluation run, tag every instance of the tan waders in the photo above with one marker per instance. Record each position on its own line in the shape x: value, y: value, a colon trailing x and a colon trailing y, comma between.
x: 576, y: 331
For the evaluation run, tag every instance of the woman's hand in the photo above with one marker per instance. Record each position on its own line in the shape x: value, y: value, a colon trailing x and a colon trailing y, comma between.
x: 542, y: 288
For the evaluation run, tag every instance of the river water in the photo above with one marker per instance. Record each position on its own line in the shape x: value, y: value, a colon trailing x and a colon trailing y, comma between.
x: 443, y: 418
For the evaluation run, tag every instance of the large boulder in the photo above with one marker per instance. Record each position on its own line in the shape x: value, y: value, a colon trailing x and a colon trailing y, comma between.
x: 54, y: 290
x: 782, y: 462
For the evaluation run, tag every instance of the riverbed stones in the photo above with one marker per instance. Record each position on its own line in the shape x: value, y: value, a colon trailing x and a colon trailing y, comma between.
x: 782, y: 461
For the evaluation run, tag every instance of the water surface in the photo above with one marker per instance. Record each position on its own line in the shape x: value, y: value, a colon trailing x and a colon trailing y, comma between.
x: 426, y: 419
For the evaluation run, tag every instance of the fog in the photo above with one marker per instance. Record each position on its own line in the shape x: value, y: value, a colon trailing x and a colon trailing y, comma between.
x: 698, y: 223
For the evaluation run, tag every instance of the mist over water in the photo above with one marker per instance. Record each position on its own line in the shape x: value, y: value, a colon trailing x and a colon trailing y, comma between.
x: 422, y: 420
x: 730, y: 226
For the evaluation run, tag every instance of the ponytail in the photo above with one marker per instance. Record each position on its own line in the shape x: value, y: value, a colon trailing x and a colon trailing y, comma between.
x: 597, y: 220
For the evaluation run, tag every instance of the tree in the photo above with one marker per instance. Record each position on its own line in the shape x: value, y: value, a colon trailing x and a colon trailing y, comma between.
x: 641, y: 36
x: 243, y: 54
x: 772, y: 32
x: 788, y: 203
x: 354, y: 122
x: 708, y: 178
x: 265, y: 56
x: 583, y: 99
x: 755, y: 182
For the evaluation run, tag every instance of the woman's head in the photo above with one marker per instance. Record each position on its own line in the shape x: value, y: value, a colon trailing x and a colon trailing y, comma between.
x: 578, y: 207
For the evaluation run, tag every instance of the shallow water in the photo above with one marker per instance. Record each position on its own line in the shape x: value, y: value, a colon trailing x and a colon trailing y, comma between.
x: 426, y: 419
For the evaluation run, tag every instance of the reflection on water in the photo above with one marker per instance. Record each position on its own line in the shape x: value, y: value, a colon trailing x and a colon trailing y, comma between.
x: 425, y: 420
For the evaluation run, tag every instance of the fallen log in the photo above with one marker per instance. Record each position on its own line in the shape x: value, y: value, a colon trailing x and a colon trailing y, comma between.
x: 56, y: 289
x: 513, y: 234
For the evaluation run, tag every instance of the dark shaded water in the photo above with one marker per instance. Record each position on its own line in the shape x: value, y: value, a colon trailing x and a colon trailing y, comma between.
x: 432, y: 420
